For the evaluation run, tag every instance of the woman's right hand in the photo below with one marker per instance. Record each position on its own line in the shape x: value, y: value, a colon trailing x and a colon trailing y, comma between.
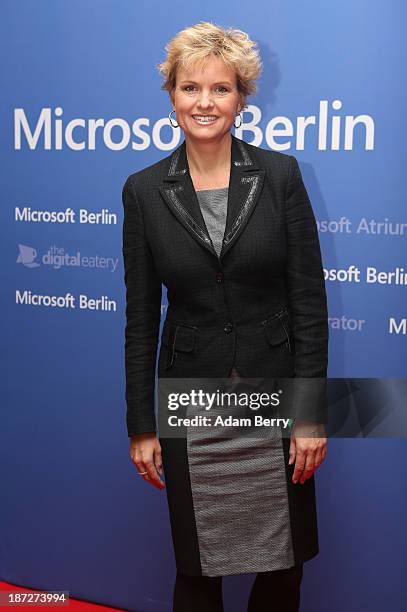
x: 145, y: 451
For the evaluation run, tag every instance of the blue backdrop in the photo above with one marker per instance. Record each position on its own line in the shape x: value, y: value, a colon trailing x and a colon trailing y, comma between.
x: 81, y: 109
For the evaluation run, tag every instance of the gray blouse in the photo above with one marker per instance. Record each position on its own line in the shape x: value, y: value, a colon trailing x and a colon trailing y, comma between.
x: 213, y: 204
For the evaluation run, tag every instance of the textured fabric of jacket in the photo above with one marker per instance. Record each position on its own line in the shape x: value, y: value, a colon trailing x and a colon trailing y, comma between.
x: 260, y: 306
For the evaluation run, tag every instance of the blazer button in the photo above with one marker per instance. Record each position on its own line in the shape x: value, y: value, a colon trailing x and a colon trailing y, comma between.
x: 219, y: 277
x: 228, y: 328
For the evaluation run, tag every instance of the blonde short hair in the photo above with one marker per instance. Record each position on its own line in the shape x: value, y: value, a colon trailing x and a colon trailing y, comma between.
x: 203, y: 40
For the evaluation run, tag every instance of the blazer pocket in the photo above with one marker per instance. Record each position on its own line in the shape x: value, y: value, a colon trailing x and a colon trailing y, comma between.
x: 278, y: 331
x: 178, y: 338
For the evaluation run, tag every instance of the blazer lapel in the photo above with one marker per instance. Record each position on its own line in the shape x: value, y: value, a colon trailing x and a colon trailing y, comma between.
x: 245, y: 184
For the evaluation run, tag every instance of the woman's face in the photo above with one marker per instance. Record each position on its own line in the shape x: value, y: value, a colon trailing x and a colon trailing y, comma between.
x: 206, y: 100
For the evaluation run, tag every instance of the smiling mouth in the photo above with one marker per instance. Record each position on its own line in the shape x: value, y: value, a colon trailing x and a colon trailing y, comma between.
x: 204, y: 119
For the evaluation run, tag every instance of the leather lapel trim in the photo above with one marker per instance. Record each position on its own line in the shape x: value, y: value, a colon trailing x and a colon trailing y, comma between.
x: 244, y: 192
x: 245, y: 184
x: 183, y: 201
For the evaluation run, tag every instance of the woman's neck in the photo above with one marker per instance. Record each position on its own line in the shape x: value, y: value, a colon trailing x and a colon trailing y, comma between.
x: 209, y: 158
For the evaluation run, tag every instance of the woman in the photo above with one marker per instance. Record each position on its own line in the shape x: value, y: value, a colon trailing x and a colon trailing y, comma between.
x: 228, y: 228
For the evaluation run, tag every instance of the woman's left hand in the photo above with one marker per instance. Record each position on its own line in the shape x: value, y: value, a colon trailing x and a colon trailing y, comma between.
x: 308, y: 448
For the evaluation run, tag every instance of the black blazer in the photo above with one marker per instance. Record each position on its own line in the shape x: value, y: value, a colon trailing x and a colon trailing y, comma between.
x: 260, y: 306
